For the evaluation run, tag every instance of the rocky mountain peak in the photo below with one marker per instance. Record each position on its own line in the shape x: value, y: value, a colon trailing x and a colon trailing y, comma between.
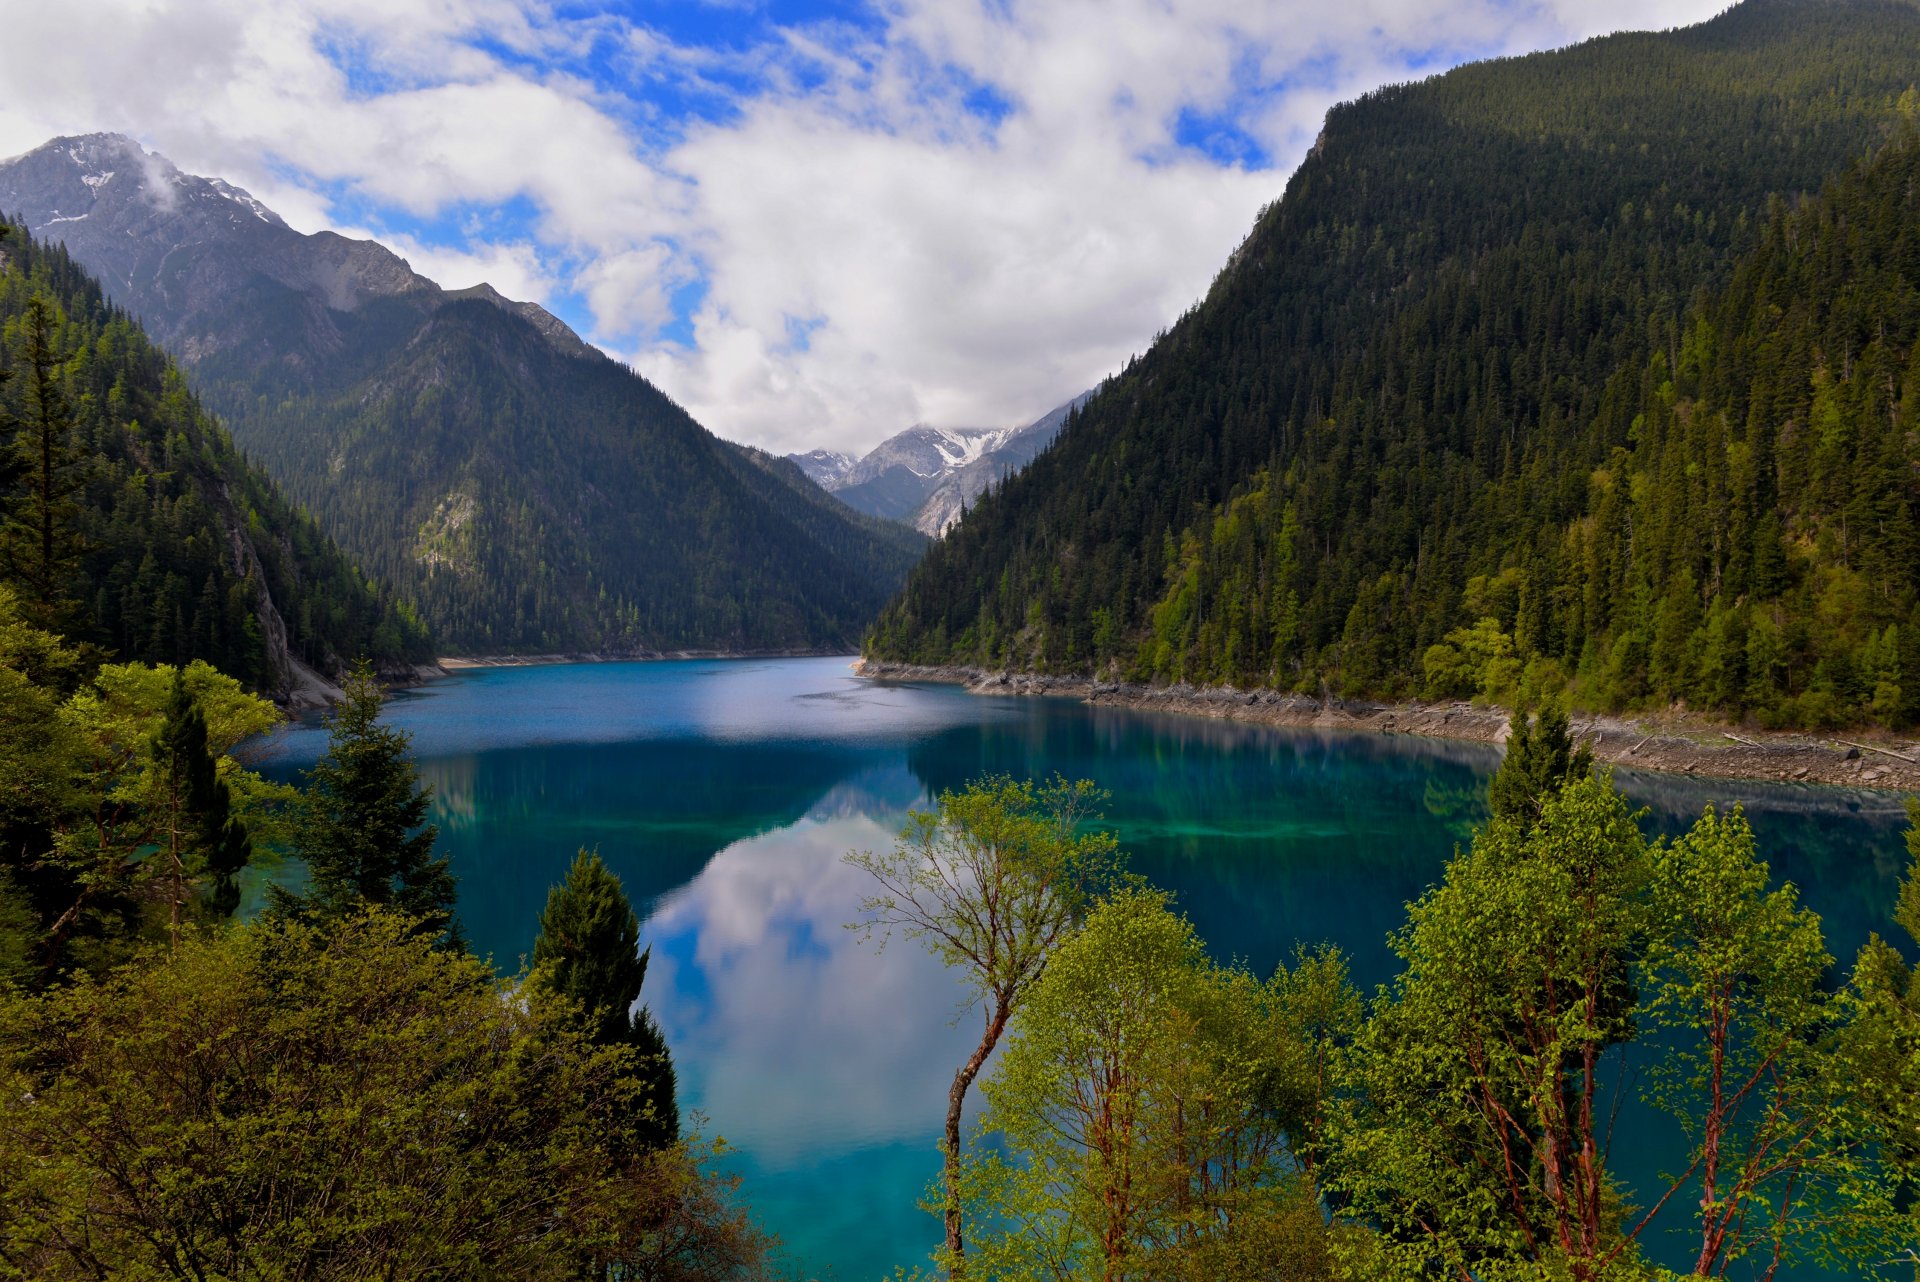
x: 177, y: 248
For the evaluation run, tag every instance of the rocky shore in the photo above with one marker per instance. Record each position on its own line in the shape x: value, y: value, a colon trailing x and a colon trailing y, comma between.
x: 1673, y: 743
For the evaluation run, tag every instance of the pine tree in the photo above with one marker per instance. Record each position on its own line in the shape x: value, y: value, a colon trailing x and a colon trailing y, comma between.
x: 363, y: 829
x: 202, y: 840
x: 1540, y: 760
x: 589, y: 952
x: 40, y: 535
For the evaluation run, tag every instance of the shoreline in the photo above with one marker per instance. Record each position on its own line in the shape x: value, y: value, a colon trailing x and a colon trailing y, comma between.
x: 1680, y: 744
x: 467, y: 663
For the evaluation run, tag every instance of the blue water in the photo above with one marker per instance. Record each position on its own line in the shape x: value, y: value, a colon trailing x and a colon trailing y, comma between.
x: 724, y: 794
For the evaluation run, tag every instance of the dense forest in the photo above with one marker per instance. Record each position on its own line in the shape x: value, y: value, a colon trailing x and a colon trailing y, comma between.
x: 533, y: 499
x: 133, y: 524
x: 1547, y: 374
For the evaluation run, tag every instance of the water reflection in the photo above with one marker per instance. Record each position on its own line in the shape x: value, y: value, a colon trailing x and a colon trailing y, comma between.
x: 724, y: 795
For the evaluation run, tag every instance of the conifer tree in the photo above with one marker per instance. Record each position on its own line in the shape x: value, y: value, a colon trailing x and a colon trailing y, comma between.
x: 40, y: 535
x: 201, y: 839
x: 363, y: 829
x: 1540, y: 759
x: 589, y: 952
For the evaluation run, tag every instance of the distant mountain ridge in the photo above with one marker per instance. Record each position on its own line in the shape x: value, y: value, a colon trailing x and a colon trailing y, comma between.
x: 530, y: 494
x: 927, y: 476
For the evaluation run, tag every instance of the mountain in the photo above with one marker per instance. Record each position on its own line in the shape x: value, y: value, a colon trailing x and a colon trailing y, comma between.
x: 926, y: 476
x: 824, y: 468
x: 529, y: 493
x: 170, y: 545
x: 1460, y: 415
x: 958, y: 489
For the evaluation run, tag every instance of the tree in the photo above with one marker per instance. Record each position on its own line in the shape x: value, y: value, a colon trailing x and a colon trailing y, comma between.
x: 588, y: 952
x: 201, y: 840
x: 992, y: 882
x: 1881, y: 1045
x: 1130, y: 1131
x: 1483, y: 1142
x: 1478, y: 1141
x: 108, y: 785
x: 362, y: 829
x: 1734, y: 980
x: 330, y: 1101
x: 40, y: 534
x: 1540, y: 760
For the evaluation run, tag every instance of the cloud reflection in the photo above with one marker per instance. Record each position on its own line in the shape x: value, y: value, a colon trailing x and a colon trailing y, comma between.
x: 800, y: 1043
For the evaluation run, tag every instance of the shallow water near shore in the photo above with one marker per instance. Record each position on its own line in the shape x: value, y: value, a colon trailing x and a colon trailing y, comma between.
x: 724, y: 793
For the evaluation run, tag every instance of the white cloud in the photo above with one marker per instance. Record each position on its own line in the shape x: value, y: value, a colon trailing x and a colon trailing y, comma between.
x: 872, y: 252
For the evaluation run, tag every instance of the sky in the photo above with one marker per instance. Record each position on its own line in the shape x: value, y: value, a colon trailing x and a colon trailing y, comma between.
x: 814, y: 223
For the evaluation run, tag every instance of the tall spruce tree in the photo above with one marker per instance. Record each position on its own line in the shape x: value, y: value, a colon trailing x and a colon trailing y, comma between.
x: 1541, y: 758
x: 589, y: 952
x: 40, y: 535
x: 363, y: 829
x: 204, y: 845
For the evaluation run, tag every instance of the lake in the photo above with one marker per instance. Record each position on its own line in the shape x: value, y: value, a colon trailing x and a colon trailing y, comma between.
x: 725, y: 792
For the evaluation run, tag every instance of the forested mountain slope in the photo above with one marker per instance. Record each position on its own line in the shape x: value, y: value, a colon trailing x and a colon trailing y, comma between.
x: 527, y: 492
x: 1477, y: 406
x: 133, y: 523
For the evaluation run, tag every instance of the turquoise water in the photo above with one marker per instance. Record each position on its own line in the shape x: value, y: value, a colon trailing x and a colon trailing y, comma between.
x: 724, y: 793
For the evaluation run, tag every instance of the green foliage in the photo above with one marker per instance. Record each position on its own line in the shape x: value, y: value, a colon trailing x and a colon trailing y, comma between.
x: 39, y: 538
x: 1540, y: 760
x: 362, y: 828
x: 341, y: 1101
x: 119, y: 799
x: 992, y: 881
x: 201, y: 841
x: 1477, y: 1137
x: 534, y: 500
x: 1540, y: 380
x: 133, y: 524
x: 1734, y: 983
x: 588, y: 952
x: 1480, y: 1146
x: 1128, y: 1132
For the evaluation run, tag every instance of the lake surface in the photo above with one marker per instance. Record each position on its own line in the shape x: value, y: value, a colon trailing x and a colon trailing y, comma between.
x: 724, y: 793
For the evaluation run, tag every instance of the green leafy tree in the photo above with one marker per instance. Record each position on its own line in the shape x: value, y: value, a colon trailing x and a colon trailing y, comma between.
x: 1129, y: 1131
x: 362, y: 829
x: 335, y: 1100
x: 124, y: 799
x: 588, y: 952
x: 1482, y: 1150
x: 1734, y: 981
x: 991, y: 881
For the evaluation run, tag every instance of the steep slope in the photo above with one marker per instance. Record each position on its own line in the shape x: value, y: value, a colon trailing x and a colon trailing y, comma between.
x: 1392, y: 450
x: 181, y: 549
x: 529, y: 493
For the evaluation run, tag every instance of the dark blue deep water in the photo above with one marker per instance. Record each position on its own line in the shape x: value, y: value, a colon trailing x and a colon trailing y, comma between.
x: 724, y: 793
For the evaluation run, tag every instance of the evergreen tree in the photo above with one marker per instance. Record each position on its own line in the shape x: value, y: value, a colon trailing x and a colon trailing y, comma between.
x: 40, y: 535
x: 589, y: 952
x: 363, y: 829
x: 201, y: 839
x: 1540, y: 760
